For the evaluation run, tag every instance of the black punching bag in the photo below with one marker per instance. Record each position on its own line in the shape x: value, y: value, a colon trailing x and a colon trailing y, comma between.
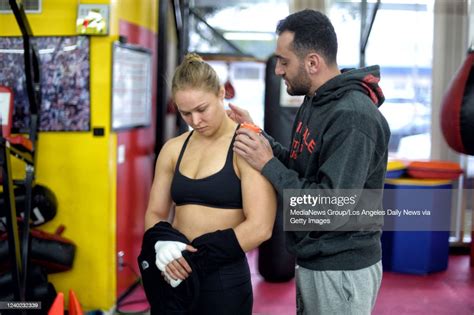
x: 275, y: 264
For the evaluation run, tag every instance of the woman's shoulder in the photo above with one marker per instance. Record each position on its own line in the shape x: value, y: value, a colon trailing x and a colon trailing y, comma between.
x: 173, y: 146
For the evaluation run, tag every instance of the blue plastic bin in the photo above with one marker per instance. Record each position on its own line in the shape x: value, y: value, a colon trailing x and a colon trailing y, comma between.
x: 416, y: 252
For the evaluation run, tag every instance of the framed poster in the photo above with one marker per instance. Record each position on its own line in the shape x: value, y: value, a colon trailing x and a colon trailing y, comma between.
x: 131, y: 86
x: 65, y: 82
x: 92, y: 19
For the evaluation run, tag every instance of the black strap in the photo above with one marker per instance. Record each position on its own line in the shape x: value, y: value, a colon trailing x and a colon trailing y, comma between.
x: 182, y: 151
x: 230, y: 151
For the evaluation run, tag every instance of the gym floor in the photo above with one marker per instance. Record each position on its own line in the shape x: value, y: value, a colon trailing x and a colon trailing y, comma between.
x: 442, y: 293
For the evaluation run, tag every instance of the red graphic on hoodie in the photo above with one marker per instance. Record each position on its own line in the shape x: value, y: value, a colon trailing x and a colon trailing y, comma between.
x: 299, y: 144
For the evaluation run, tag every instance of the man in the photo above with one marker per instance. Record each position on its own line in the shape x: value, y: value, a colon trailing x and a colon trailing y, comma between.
x: 339, y: 141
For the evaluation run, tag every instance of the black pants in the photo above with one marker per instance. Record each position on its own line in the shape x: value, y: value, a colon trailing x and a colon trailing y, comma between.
x: 227, y: 291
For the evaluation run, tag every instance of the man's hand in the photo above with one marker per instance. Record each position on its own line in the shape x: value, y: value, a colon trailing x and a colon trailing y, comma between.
x: 253, y: 148
x: 239, y: 115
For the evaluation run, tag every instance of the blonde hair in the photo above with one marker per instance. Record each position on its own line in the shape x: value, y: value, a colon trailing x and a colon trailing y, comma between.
x: 194, y: 73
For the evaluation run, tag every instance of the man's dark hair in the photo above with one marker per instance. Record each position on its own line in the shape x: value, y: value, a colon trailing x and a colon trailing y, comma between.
x: 313, y: 31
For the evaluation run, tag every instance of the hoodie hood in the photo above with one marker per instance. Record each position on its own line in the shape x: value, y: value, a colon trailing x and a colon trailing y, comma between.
x: 364, y: 80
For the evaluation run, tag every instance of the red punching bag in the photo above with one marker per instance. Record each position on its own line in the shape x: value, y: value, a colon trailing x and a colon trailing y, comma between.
x: 229, y: 88
x: 457, y: 112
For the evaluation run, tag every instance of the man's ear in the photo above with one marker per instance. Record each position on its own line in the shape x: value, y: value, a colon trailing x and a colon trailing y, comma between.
x: 313, y: 63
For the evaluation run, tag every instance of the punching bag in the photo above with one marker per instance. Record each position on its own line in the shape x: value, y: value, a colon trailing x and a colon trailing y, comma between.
x: 44, y: 205
x: 275, y: 263
x: 457, y: 114
x: 228, y: 86
x: 457, y: 111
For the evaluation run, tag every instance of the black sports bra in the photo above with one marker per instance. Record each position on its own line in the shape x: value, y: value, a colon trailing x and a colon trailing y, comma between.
x: 219, y: 190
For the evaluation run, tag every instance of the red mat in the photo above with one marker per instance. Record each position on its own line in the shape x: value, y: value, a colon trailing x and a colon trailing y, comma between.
x: 443, y: 293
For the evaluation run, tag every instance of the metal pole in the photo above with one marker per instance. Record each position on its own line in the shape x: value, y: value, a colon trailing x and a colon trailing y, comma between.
x: 12, y: 226
x: 363, y: 23
x: 161, y: 99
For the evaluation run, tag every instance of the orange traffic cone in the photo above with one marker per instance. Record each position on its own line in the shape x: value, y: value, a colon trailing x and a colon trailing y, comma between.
x: 58, y: 305
x: 74, y: 305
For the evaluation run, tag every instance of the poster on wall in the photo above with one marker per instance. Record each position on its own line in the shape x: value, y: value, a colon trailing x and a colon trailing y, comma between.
x: 131, y: 86
x: 65, y: 82
x: 92, y: 19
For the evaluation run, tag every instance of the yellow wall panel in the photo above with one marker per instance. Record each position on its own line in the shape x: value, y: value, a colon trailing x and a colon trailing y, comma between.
x: 140, y: 12
x: 57, y: 18
x: 101, y: 77
x: 77, y: 168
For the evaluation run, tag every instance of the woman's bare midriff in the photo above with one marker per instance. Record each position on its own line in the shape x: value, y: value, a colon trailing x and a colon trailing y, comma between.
x: 196, y: 220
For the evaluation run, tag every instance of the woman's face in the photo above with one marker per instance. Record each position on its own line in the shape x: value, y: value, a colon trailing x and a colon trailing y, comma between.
x: 202, y: 110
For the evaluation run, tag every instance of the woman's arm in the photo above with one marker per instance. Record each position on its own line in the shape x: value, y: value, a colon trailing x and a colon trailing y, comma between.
x: 168, y: 253
x: 160, y: 198
x: 259, y: 205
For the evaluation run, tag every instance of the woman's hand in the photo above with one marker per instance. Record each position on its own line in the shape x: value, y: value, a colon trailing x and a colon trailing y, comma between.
x: 169, y: 258
x: 179, y: 269
x: 170, y: 281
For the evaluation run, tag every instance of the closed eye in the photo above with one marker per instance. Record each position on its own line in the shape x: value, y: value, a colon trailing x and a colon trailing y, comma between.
x: 281, y: 60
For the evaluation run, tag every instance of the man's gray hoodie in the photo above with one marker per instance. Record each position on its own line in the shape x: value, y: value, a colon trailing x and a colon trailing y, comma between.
x: 339, y: 141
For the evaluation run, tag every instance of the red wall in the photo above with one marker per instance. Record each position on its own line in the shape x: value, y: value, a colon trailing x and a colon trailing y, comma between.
x: 135, y: 175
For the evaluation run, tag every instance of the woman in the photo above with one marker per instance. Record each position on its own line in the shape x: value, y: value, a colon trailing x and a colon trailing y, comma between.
x: 223, y: 206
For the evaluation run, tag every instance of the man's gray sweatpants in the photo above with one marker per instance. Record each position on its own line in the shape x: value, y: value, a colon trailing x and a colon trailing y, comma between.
x: 337, y: 292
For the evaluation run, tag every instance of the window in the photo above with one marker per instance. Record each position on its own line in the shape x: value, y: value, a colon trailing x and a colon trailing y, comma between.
x: 401, y: 43
x: 248, y: 80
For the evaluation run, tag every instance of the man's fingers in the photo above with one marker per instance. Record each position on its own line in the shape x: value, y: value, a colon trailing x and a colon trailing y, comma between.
x: 241, y: 115
x: 241, y: 152
x: 235, y: 108
x: 245, y: 146
x: 249, y: 133
x: 242, y: 141
x: 238, y: 110
x: 230, y: 113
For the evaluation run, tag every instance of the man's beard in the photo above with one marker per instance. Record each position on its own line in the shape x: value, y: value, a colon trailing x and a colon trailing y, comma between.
x: 301, y: 84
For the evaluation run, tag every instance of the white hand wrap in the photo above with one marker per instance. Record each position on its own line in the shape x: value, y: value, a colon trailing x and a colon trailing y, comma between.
x: 172, y: 282
x: 166, y: 252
